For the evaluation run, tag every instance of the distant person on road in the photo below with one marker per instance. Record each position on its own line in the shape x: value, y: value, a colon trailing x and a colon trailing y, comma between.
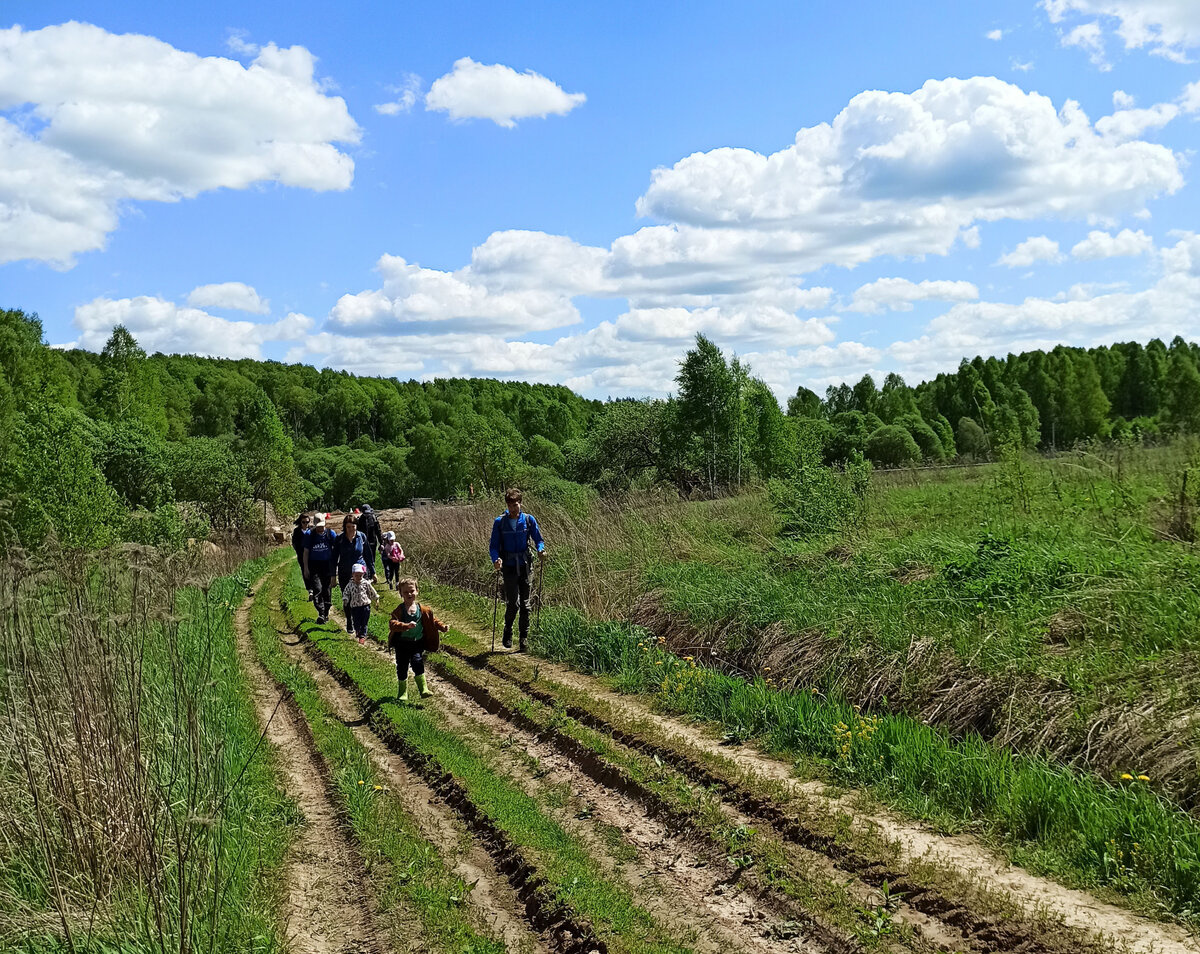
x: 319, y: 564
x: 368, y: 525
x: 412, y: 631
x: 358, y: 595
x: 512, y: 533
x: 393, y: 555
x: 349, y: 549
x: 299, y: 535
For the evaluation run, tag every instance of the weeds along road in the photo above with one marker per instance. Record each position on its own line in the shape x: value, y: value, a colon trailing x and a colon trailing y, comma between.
x: 525, y: 807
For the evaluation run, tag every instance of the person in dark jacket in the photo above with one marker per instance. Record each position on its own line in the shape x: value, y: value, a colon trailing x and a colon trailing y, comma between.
x: 298, y: 537
x: 319, y: 564
x: 512, y: 533
x: 368, y: 525
x: 351, y: 543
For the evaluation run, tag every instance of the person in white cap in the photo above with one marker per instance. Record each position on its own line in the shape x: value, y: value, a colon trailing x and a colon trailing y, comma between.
x: 358, y: 595
x: 319, y: 564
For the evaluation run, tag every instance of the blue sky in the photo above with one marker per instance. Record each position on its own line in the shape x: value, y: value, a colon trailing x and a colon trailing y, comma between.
x: 569, y: 192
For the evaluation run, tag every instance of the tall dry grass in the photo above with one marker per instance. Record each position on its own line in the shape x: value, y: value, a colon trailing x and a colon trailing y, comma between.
x: 126, y: 757
x: 597, y: 554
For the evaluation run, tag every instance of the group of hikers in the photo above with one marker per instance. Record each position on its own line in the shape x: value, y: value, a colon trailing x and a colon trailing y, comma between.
x: 324, y: 554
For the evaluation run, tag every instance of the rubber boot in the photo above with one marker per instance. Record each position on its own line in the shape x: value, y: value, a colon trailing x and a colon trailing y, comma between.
x: 423, y: 687
x: 403, y: 697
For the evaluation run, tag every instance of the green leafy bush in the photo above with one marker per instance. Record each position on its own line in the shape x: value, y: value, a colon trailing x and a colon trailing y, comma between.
x: 892, y: 446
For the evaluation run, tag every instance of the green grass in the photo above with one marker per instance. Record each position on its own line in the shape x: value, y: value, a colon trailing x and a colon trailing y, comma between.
x: 405, y: 869
x: 1049, y: 587
x: 563, y: 861
x: 1075, y: 827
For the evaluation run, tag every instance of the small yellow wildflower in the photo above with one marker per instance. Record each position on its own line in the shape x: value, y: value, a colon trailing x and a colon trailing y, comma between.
x: 379, y: 788
x: 1126, y: 777
x: 360, y: 781
x: 1143, y: 778
x: 687, y: 658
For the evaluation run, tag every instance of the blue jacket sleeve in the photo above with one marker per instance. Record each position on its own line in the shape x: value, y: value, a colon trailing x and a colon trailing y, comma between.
x: 536, y: 533
x: 494, y: 545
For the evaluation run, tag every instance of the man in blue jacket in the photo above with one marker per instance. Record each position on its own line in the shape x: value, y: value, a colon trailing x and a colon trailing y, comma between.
x: 511, y: 535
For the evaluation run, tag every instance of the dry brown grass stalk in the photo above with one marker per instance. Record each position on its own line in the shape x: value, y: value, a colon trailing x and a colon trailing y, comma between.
x: 107, y: 771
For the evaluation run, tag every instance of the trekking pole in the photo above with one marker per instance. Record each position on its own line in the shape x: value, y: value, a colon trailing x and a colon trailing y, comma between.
x: 537, y: 619
x: 495, y: 606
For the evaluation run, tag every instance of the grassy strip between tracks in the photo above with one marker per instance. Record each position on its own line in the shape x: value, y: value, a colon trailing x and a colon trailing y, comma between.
x: 1121, y: 837
x: 405, y: 868
x: 563, y: 862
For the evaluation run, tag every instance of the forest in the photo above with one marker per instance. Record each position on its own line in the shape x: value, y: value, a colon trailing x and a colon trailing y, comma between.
x: 123, y: 445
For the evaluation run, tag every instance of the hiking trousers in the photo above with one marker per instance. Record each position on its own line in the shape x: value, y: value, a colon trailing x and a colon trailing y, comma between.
x: 358, y: 618
x: 321, y: 583
x: 517, y: 577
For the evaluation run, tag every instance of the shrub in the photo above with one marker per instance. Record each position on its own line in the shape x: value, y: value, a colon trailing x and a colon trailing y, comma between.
x: 972, y: 441
x: 892, y: 446
x: 540, y: 483
x: 817, y: 500
x: 53, y: 482
x: 205, y: 471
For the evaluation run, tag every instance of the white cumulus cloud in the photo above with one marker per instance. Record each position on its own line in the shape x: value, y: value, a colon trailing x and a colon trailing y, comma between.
x: 1105, y: 245
x: 415, y: 300
x: 1167, y: 28
x: 160, y: 325
x: 90, y: 120
x: 1127, y: 124
x: 900, y: 174
x: 230, y: 295
x: 898, y: 294
x: 499, y: 93
x: 1083, y: 317
x: 1089, y: 38
x: 1038, y: 248
x: 995, y: 34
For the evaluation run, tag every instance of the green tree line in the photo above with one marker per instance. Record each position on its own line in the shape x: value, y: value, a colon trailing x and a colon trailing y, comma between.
x: 125, y: 445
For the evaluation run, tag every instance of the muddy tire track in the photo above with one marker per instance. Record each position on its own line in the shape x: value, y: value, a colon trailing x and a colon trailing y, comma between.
x: 565, y: 931
x: 324, y: 908
x: 1086, y: 922
x: 491, y: 897
x: 693, y: 890
x: 639, y: 799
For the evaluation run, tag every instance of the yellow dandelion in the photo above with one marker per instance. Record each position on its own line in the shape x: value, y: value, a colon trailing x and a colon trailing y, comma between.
x: 360, y: 781
x: 1143, y: 778
x: 687, y: 658
x: 379, y: 788
x: 1126, y: 777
